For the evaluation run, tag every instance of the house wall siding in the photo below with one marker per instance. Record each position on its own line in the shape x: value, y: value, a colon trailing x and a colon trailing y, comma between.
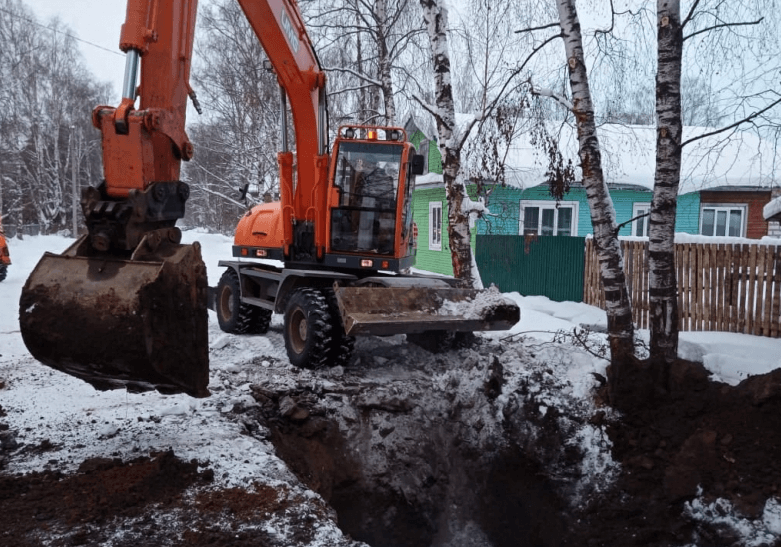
x: 756, y: 225
x: 505, y: 206
x: 426, y: 259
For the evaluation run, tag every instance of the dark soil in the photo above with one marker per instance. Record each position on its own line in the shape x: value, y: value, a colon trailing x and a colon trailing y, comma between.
x: 80, y: 509
x: 695, y: 436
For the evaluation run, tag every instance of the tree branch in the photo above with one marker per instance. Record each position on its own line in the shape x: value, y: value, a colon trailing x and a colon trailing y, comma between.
x: 545, y: 92
x: 736, y: 124
x: 638, y: 217
x: 532, y: 29
x: 690, y: 14
x: 723, y: 25
x: 354, y: 73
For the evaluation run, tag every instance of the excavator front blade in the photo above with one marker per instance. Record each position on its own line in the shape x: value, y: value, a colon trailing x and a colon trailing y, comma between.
x: 139, y: 323
x: 408, y: 306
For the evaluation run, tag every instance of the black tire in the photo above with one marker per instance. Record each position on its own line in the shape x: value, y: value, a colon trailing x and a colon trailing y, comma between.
x: 341, y: 347
x: 308, y: 329
x: 3, y: 271
x: 234, y: 316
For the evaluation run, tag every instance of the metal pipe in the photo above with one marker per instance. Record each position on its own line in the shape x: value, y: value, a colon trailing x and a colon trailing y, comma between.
x: 283, y: 118
x: 131, y: 74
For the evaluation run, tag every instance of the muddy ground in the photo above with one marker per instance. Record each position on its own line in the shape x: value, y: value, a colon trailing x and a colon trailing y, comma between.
x: 398, y: 465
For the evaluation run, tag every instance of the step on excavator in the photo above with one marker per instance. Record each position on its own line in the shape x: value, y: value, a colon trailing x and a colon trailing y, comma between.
x: 126, y: 304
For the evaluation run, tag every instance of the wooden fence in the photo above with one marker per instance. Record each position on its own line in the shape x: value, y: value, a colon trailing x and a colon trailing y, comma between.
x: 721, y: 286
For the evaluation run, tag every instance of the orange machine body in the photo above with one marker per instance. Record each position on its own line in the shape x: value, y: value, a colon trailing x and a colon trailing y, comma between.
x: 144, y: 146
x: 359, y: 220
x: 5, y: 257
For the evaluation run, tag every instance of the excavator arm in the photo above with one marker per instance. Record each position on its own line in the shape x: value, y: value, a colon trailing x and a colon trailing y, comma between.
x: 279, y: 26
x: 126, y: 304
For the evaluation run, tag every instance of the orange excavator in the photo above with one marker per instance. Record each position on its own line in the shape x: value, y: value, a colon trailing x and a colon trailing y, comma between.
x: 126, y: 305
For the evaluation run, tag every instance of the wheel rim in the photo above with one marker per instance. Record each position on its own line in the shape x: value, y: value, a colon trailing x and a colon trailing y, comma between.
x: 298, y: 331
x: 226, y: 303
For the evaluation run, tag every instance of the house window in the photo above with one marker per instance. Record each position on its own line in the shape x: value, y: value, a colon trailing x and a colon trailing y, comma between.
x: 435, y: 226
x: 640, y: 225
x: 546, y: 218
x: 722, y: 220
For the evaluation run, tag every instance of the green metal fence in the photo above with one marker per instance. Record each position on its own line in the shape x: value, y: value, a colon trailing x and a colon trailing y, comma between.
x: 551, y: 266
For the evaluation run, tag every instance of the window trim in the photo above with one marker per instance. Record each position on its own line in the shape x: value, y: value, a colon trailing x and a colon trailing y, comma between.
x: 645, y: 220
x: 434, y: 245
x: 742, y: 207
x: 550, y: 204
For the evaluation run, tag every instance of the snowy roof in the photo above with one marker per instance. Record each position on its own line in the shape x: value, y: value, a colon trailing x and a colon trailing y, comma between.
x: 730, y: 159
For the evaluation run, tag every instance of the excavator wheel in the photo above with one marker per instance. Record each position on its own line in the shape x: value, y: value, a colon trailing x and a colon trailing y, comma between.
x: 3, y: 271
x: 307, y: 330
x: 341, y: 347
x: 234, y: 316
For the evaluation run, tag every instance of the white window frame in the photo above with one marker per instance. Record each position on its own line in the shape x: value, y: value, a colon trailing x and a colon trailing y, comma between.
x: 434, y: 235
x: 742, y: 207
x: 545, y: 204
x: 644, y: 221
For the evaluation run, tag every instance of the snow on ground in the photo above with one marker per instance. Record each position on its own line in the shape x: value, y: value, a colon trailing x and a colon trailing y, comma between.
x: 43, y: 404
x: 122, y: 422
x: 81, y: 422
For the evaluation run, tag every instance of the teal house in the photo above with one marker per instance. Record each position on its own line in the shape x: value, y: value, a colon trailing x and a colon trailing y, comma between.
x: 724, y: 187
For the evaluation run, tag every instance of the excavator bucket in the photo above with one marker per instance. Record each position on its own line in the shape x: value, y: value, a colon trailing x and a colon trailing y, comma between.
x: 410, y: 306
x: 139, y: 323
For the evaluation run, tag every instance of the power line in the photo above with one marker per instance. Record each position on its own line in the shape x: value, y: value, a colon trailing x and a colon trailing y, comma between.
x: 37, y: 24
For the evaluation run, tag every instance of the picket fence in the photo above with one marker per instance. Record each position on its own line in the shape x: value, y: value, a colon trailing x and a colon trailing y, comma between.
x: 728, y: 287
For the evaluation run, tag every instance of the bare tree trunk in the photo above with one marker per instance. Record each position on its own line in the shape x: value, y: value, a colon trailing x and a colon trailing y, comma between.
x: 603, y: 215
x: 435, y: 17
x: 661, y: 228
x: 363, y: 108
x: 384, y: 61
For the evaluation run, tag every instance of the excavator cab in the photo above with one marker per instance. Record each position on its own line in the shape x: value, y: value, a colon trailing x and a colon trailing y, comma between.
x: 367, y: 180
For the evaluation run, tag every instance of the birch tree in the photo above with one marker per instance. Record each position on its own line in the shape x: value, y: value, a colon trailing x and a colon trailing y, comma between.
x: 732, y: 37
x: 46, y: 98
x: 603, y: 215
x: 451, y: 141
x: 663, y: 299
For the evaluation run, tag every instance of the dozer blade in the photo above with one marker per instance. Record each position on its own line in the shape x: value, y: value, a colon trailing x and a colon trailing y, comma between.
x: 383, y: 311
x: 140, y: 324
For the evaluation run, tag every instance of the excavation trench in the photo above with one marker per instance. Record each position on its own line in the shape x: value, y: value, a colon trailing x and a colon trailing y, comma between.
x: 405, y: 463
x: 435, y: 494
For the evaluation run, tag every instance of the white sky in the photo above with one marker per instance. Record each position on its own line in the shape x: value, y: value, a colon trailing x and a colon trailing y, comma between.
x: 94, y: 21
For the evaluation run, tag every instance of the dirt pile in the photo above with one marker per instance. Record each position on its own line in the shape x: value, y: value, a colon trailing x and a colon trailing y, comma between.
x: 701, y: 444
